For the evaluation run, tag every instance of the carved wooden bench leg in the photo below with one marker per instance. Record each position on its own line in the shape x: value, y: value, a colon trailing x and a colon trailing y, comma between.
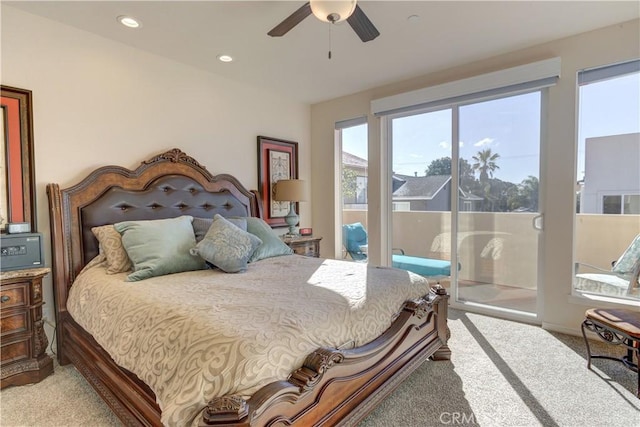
x: 617, y: 327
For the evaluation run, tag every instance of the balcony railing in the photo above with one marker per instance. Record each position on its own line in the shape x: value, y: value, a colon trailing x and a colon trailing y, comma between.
x: 600, y: 239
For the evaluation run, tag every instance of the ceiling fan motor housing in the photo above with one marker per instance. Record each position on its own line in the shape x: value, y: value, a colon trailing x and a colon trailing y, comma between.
x: 333, y: 17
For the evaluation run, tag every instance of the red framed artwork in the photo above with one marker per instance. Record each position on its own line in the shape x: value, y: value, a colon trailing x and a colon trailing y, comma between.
x: 17, y: 198
x: 277, y: 159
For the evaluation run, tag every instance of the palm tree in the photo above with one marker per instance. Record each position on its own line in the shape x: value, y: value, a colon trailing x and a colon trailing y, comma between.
x: 485, y: 162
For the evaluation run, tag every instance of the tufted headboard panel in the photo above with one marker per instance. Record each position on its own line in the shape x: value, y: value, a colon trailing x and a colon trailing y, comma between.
x: 166, y: 197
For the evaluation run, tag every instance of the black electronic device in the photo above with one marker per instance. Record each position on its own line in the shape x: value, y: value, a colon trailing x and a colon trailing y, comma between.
x: 20, y: 251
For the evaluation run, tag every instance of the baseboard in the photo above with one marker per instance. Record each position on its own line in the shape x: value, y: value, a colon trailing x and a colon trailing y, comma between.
x: 561, y: 329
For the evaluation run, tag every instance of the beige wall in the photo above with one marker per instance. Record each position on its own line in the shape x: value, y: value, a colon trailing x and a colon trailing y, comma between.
x: 98, y: 102
x: 605, y: 46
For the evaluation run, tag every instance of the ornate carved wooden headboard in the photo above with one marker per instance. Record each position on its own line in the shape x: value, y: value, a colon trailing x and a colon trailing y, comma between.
x: 168, y: 185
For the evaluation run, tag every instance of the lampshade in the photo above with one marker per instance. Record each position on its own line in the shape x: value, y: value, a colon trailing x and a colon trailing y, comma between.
x: 291, y: 190
x: 332, y: 11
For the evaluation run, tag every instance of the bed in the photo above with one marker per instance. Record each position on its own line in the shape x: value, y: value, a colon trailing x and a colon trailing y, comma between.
x: 330, y: 385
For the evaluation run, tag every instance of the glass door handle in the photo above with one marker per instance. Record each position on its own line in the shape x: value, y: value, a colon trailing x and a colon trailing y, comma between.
x: 538, y: 222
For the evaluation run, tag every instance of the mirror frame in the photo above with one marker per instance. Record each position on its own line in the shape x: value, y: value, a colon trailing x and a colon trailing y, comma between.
x: 17, y: 177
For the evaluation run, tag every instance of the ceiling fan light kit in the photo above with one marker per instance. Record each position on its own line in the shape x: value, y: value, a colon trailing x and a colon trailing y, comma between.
x: 332, y: 11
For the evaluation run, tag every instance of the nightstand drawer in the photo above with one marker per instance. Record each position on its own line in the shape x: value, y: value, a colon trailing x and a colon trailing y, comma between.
x: 304, y: 245
x: 15, y: 296
x: 306, y: 250
x: 14, y: 323
x: 15, y: 351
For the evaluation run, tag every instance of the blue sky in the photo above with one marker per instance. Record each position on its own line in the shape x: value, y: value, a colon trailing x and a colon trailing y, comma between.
x: 508, y: 126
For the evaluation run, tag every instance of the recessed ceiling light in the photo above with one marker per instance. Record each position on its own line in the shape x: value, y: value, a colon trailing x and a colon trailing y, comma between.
x: 129, y: 21
x: 224, y: 58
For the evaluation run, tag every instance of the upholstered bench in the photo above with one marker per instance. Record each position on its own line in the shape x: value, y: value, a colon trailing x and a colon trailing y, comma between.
x: 355, y: 241
x: 618, y: 327
x: 422, y: 266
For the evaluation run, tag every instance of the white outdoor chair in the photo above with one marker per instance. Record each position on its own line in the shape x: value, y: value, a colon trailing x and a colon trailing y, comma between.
x: 621, y: 280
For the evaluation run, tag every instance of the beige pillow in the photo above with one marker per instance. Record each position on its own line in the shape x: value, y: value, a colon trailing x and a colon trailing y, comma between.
x: 111, y: 245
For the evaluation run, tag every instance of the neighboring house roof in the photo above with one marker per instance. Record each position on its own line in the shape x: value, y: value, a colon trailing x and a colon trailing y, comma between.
x: 419, y: 187
x: 352, y: 160
x: 424, y: 187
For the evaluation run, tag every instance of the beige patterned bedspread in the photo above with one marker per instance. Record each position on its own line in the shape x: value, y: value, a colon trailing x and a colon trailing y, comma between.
x: 197, y: 335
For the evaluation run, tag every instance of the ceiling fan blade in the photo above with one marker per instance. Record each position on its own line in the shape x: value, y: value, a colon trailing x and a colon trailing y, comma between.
x: 291, y: 21
x: 362, y: 25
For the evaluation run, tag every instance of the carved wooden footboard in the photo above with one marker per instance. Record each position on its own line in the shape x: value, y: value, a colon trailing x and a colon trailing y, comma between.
x: 332, y: 387
x: 341, y: 386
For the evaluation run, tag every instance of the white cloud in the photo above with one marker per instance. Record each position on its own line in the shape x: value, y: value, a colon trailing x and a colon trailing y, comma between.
x: 444, y: 144
x: 460, y: 143
x: 416, y: 156
x: 482, y: 142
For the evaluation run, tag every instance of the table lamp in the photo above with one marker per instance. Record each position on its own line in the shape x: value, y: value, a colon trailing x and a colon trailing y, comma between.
x: 292, y: 191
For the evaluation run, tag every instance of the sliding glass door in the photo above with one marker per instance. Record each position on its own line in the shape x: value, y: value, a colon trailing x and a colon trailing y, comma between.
x: 474, y: 203
x: 499, y: 214
x: 421, y: 187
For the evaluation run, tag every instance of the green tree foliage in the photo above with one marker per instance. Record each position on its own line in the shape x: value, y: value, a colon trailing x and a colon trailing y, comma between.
x: 499, y: 196
x: 442, y: 166
x: 349, y: 184
x: 525, y: 195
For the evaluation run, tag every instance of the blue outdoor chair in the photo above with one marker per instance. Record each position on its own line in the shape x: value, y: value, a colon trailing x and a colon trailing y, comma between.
x: 355, y: 242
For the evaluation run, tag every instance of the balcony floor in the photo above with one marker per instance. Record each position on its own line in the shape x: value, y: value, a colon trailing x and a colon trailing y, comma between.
x: 496, y: 295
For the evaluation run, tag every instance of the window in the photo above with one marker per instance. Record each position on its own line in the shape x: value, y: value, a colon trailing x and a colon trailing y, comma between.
x: 608, y: 177
x: 401, y: 206
x: 631, y: 205
x: 627, y: 204
x: 612, y: 204
x: 352, y: 146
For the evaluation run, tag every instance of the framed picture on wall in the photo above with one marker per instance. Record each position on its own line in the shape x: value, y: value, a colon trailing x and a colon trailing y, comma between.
x: 277, y: 159
x: 17, y: 185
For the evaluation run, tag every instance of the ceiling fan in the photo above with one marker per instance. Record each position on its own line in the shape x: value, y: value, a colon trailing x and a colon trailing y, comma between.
x: 333, y: 12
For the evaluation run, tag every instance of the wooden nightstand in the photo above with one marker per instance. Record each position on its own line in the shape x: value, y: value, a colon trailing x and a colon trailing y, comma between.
x: 304, y: 245
x: 24, y: 343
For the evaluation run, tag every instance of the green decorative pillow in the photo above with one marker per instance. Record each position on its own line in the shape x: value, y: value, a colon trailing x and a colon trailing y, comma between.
x: 111, y: 245
x: 227, y: 246
x: 201, y: 225
x: 272, y: 245
x: 159, y: 247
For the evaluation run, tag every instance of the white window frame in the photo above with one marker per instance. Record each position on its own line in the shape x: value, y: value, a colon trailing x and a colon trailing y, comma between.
x: 584, y: 77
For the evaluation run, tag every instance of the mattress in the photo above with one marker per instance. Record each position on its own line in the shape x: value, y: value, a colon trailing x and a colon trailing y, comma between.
x: 197, y: 335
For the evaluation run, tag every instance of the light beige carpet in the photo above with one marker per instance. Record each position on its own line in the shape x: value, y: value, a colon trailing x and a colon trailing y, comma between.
x: 501, y: 373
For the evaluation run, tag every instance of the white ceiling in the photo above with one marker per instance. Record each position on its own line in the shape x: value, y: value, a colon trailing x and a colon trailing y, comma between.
x: 447, y: 34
